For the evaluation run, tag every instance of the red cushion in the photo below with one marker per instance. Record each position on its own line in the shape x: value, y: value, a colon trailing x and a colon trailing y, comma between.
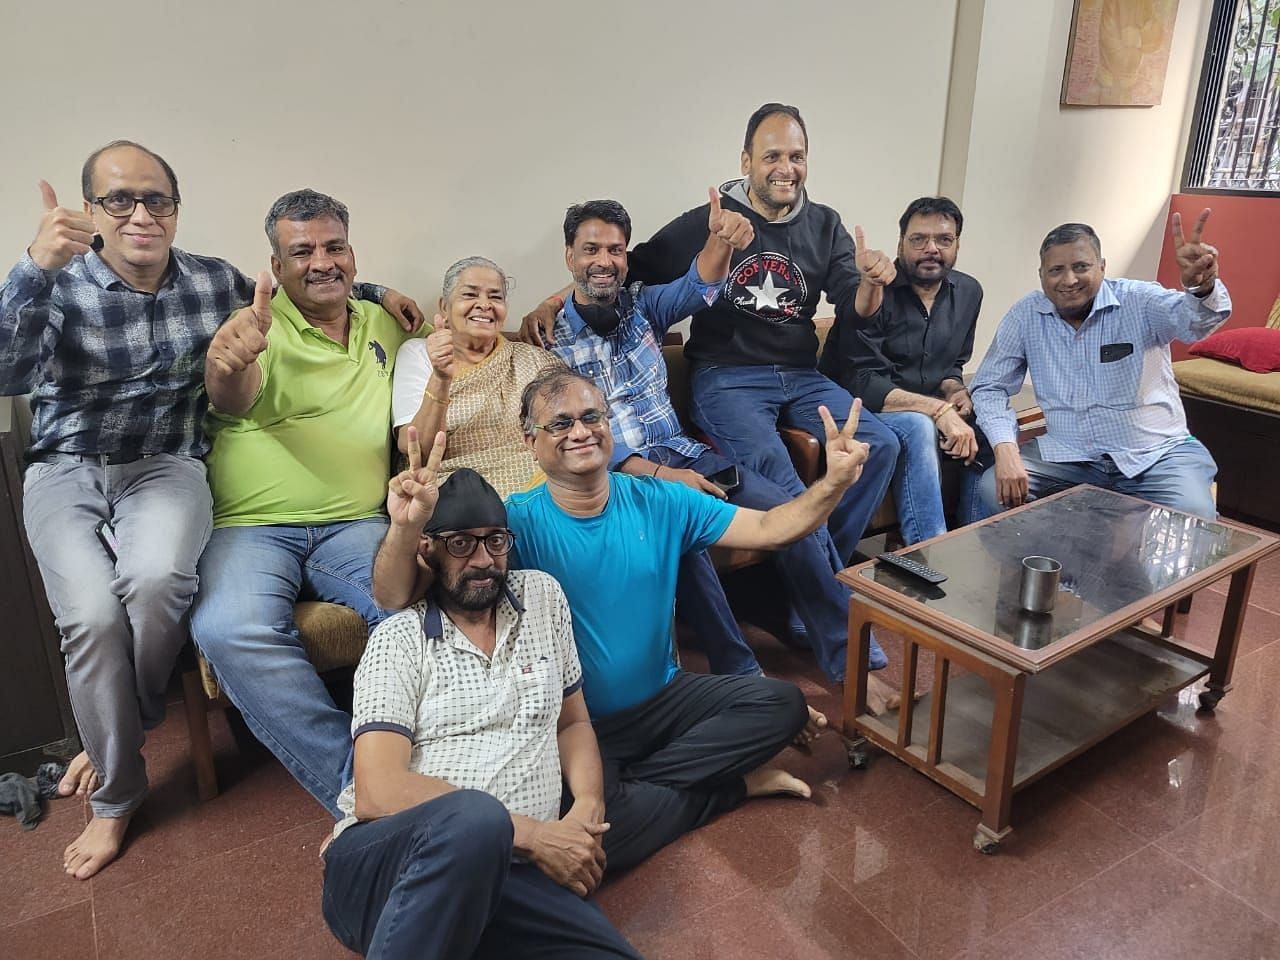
x: 1254, y: 348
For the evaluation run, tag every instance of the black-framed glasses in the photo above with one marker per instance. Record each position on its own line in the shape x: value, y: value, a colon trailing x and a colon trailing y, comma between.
x: 562, y: 425
x: 122, y: 205
x: 943, y: 241
x: 463, y: 545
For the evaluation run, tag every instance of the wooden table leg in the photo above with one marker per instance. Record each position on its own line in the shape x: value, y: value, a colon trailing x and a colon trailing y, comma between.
x: 1224, y: 657
x: 1002, y: 758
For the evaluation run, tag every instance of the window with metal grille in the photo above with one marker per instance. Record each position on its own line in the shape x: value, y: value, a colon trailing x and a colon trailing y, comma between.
x: 1235, y: 136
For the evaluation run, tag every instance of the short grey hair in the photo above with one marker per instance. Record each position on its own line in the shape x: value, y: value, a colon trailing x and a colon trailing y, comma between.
x: 302, y: 205
x: 1071, y: 233
x: 546, y: 386
x: 453, y: 276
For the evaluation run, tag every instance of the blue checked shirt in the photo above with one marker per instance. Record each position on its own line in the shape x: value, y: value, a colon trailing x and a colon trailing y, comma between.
x: 627, y: 365
x: 111, y: 369
x: 1099, y: 397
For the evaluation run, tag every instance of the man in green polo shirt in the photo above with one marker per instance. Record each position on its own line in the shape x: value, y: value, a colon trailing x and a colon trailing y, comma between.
x: 300, y: 388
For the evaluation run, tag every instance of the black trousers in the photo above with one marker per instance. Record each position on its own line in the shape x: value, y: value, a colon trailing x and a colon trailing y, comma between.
x: 677, y: 760
x: 437, y: 881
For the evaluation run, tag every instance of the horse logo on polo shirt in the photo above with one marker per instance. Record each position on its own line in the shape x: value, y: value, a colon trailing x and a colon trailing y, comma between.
x: 380, y: 355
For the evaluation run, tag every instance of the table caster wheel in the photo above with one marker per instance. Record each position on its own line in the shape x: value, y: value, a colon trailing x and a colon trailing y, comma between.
x: 984, y: 844
x: 1209, y: 699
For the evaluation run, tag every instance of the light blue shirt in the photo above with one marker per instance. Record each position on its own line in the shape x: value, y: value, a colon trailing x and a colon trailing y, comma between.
x: 1127, y: 408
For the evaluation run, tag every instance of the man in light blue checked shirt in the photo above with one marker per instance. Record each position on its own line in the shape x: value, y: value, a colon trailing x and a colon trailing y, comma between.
x: 1097, y: 351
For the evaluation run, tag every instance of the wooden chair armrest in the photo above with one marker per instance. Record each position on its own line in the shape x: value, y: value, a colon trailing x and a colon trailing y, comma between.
x: 806, y: 453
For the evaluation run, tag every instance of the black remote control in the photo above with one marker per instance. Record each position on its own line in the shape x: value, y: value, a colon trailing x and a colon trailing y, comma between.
x: 913, y: 567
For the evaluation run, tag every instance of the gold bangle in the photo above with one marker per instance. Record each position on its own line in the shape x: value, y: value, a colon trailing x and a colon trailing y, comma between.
x: 942, y: 410
x: 431, y: 396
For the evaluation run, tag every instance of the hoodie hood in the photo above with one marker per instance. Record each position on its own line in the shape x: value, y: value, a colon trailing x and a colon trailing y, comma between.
x: 737, y: 190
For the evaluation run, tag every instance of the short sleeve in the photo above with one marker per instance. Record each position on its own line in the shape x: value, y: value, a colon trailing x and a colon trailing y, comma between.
x: 412, y: 372
x: 706, y: 518
x: 390, y: 677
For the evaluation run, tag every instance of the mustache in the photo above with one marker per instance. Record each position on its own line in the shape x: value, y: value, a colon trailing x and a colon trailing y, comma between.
x: 316, y: 275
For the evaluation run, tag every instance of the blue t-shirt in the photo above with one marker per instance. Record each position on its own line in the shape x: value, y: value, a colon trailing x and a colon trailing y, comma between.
x: 618, y: 570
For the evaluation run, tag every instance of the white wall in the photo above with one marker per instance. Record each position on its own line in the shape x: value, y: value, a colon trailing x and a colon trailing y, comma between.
x: 1031, y: 164
x: 453, y: 129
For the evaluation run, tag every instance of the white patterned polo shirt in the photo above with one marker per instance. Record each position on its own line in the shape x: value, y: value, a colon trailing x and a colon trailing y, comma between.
x: 482, y: 723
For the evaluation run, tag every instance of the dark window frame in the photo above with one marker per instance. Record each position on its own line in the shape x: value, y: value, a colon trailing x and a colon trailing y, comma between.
x: 1206, y: 127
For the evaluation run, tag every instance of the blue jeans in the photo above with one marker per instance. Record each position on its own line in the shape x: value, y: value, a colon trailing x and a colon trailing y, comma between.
x: 1180, y: 479
x: 917, y: 478
x: 242, y: 620
x: 741, y: 409
x: 437, y: 880
x: 806, y: 568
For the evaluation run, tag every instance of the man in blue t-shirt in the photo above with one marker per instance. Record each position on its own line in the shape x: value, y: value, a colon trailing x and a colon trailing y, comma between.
x: 678, y: 748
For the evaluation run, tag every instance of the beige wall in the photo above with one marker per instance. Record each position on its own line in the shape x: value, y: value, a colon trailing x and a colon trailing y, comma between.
x: 1028, y: 164
x: 453, y: 129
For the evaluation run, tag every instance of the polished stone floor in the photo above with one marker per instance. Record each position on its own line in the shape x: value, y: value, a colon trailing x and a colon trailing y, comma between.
x: 1161, y: 842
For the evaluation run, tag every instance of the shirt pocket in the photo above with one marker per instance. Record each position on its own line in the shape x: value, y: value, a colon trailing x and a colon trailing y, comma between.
x: 1118, y: 384
x: 538, y: 690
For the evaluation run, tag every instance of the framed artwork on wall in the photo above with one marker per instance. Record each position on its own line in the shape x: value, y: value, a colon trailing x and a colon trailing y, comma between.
x: 1118, y: 52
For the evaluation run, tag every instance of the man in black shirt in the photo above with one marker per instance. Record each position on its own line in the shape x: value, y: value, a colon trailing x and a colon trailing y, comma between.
x: 906, y: 359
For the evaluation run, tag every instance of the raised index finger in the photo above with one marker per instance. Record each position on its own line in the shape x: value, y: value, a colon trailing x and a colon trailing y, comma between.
x: 435, y: 456
x: 855, y: 412
x: 828, y: 424
x: 47, y: 195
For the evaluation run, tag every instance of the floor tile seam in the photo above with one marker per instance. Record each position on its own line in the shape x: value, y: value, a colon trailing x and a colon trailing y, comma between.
x: 858, y: 900
x: 1092, y: 878
x: 1263, y: 912
x: 45, y: 913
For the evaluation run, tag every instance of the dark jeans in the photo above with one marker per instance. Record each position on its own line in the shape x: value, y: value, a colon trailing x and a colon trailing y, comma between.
x: 677, y: 760
x: 741, y: 409
x: 437, y: 881
x: 807, y: 569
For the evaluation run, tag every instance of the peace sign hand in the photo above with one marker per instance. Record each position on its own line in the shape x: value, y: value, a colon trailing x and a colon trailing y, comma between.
x: 1197, y: 260
x: 63, y: 233
x: 874, y: 265
x: 412, y: 494
x: 845, y: 455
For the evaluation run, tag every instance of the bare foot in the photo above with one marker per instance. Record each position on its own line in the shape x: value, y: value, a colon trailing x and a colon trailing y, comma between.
x: 770, y: 782
x: 817, y: 723
x: 881, y: 698
x: 80, y: 779
x: 96, y: 846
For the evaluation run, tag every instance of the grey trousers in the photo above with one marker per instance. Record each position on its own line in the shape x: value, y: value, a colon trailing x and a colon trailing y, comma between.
x: 122, y: 623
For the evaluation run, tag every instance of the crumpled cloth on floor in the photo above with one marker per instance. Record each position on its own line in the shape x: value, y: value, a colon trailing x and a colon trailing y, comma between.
x: 21, y: 795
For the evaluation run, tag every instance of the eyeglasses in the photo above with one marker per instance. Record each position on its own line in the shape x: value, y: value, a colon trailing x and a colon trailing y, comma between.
x: 562, y: 425
x: 943, y: 241
x: 122, y: 205
x: 463, y: 545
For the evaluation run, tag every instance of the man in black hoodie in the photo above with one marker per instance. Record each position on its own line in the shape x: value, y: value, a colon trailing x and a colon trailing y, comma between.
x: 754, y: 349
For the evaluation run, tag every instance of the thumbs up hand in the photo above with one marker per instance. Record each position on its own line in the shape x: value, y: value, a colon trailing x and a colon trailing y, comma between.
x: 63, y: 233
x: 876, y: 268
x: 727, y: 226
x: 238, y: 342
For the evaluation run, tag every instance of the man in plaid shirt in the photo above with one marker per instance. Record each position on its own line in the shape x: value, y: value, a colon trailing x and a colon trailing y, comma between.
x: 105, y: 323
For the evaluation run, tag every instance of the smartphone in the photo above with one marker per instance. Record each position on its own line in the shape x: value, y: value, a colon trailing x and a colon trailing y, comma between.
x: 107, y: 537
x: 728, y: 479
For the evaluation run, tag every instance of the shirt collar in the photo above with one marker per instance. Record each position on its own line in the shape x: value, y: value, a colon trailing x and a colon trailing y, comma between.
x: 108, y: 279
x: 1105, y: 299
x: 284, y: 308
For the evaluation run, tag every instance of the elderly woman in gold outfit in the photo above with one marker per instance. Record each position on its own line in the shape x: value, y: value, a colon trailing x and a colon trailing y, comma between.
x: 466, y: 379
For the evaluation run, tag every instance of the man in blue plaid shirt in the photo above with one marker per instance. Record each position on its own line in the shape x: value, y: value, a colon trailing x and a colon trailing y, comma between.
x: 105, y: 323
x: 611, y: 333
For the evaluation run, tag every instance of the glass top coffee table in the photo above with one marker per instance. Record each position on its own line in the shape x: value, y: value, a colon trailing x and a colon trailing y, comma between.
x: 1037, y: 689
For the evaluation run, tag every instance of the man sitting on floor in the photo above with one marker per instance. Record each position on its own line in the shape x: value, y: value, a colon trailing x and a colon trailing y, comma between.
x: 301, y: 389
x: 678, y: 747
x: 1097, y: 351
x: 468, y: 709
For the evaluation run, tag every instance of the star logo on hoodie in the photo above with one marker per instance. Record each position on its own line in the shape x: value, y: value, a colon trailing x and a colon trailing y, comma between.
x: 769, y: 286
x: 767, y: 294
